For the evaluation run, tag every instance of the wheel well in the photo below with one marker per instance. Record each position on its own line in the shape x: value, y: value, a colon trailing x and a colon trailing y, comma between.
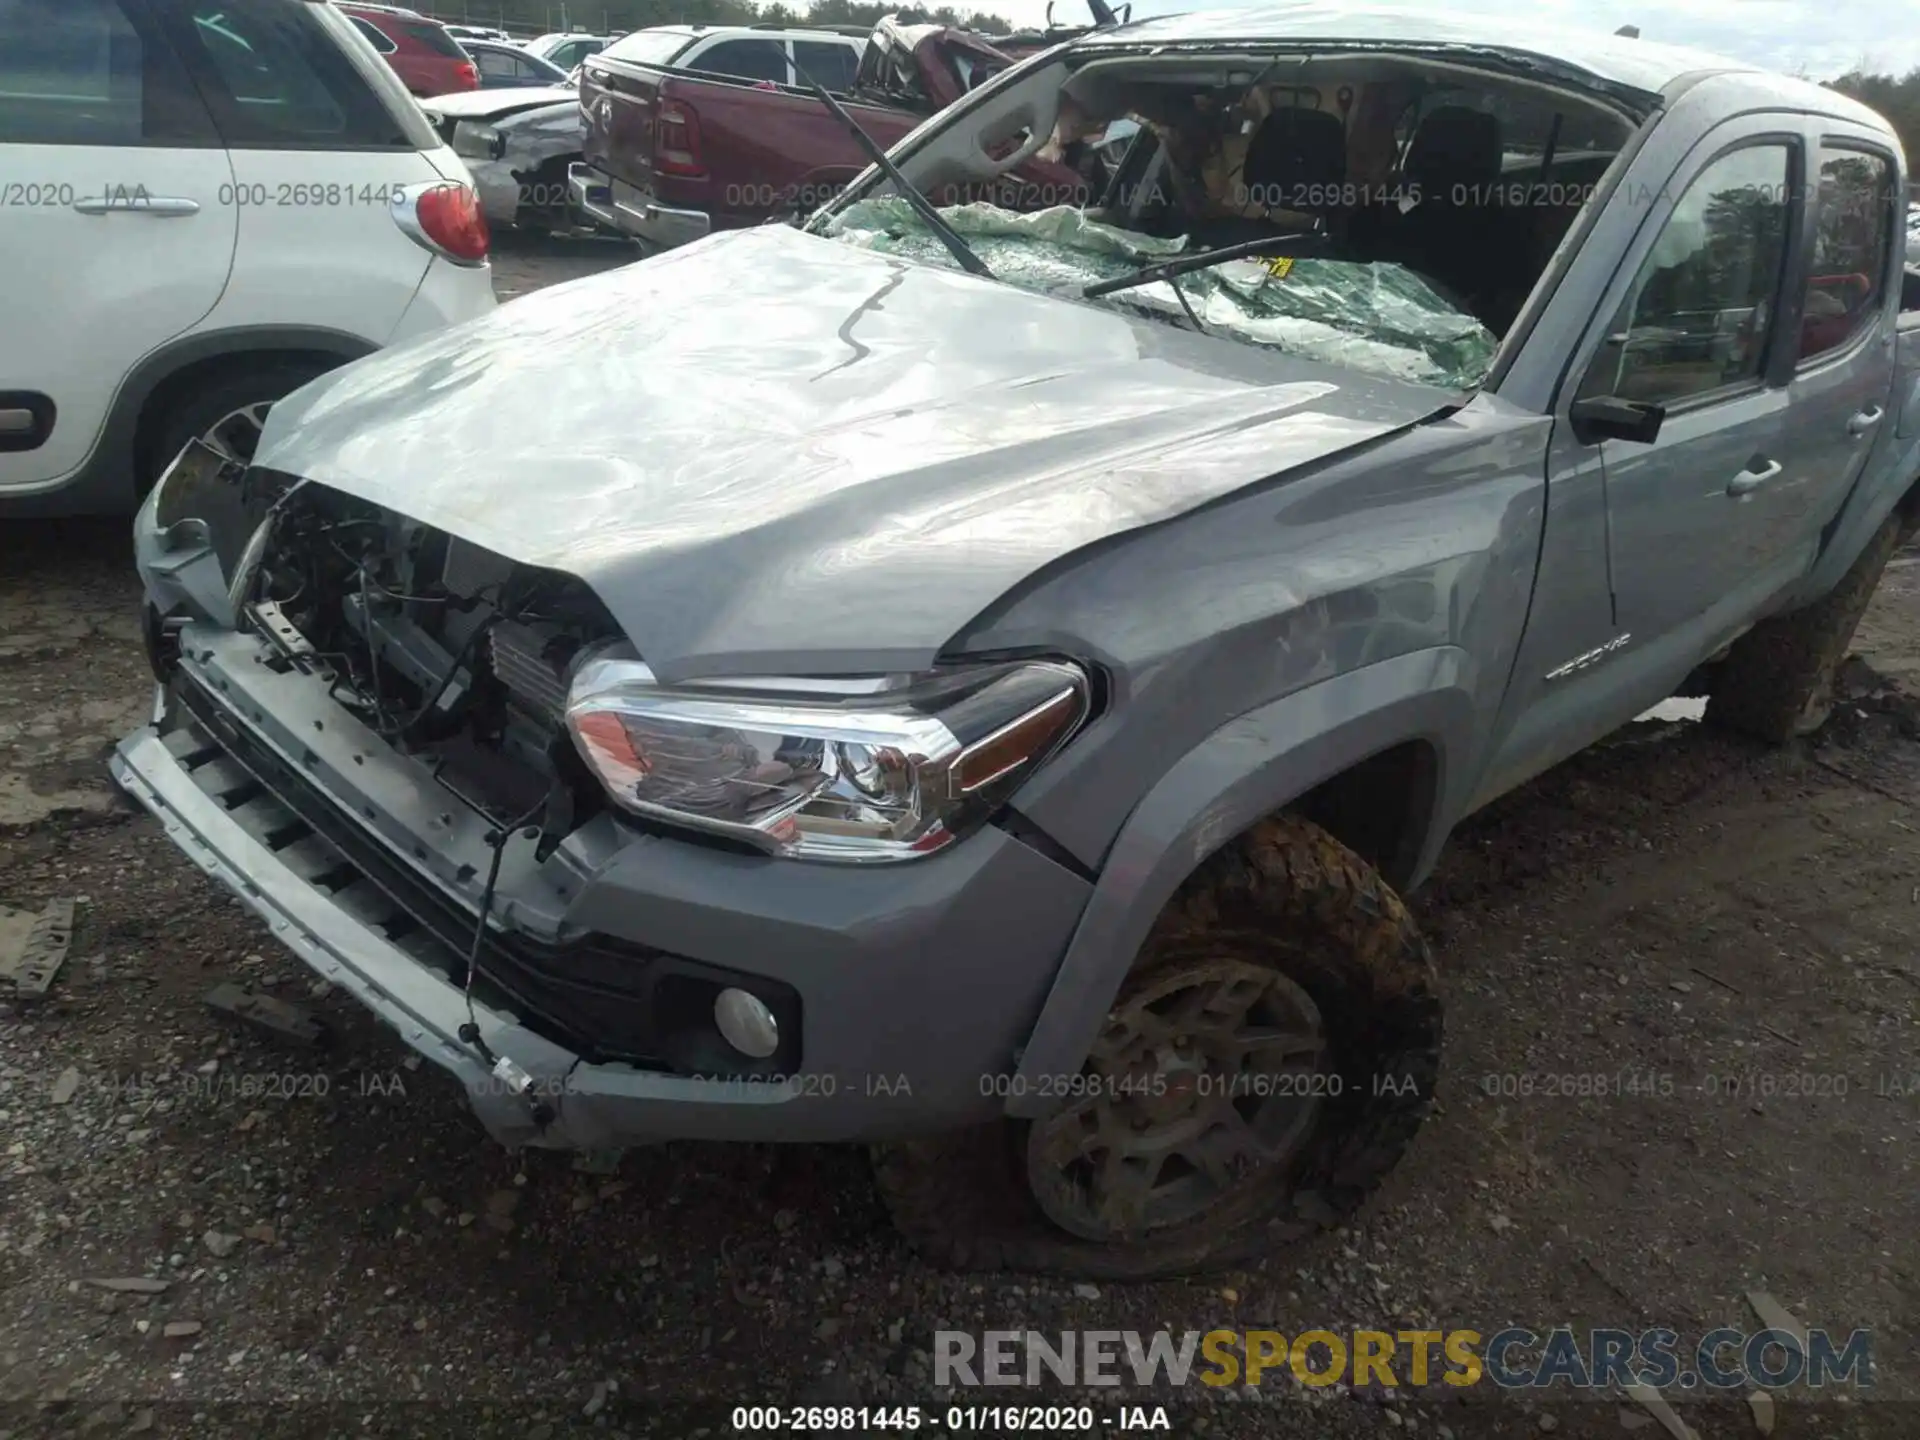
x: 199, y: 373
x: 1379, y: 808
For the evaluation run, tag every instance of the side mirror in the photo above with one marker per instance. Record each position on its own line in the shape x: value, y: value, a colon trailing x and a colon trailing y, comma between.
x: 1607, y: 417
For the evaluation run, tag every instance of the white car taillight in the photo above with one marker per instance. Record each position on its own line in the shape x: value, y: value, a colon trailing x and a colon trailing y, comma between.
x: 444, y: 217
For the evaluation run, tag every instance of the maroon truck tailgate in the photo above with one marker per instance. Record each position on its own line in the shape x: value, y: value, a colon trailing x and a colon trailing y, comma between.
x: 619, y: 108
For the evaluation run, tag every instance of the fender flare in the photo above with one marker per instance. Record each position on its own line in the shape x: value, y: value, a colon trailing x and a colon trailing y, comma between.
x: 104, y: 483
x: 1248, y: 769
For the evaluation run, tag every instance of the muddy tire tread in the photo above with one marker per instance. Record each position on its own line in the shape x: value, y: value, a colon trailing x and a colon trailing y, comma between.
x: 960, y: 1199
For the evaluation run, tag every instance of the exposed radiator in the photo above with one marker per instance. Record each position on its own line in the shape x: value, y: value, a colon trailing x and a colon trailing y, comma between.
x: 532, y: 662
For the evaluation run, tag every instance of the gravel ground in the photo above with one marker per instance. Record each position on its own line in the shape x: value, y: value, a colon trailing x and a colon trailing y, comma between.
x: 346, y: 1253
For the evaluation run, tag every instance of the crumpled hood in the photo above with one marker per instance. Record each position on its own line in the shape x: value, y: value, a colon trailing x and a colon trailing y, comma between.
x: 772, y: 453
x: 490, y: 104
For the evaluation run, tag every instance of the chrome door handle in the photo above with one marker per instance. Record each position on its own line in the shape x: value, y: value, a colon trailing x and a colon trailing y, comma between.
x: 1751, y: 479
x: 1864, y: 421
x: 159, y: 206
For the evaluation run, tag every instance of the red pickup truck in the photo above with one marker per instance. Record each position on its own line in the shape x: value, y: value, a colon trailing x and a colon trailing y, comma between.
x: 672, y: 154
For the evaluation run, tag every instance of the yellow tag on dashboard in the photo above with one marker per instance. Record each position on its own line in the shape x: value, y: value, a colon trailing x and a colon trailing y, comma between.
x: 1279, y: 267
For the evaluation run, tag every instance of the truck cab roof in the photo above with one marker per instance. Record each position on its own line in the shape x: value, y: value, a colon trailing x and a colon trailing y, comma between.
x: 1646, y: 69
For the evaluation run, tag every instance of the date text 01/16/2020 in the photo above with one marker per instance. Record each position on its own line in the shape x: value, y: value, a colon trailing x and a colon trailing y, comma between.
x: 956, y: 1419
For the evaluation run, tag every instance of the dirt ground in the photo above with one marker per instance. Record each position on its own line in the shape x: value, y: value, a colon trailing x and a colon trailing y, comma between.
x: 352, y: 1256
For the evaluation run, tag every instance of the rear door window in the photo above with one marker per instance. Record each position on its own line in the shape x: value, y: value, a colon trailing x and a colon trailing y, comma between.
x: 574, y: 51
x: 649, y: 47
x: 376, y: 37
x: 832, y: 65
x: 496, y: 64
x: 1854, y: 228
x: 82, y: 72
x: 276, y: 79
x: 744, y: 60
x: 430, y: 37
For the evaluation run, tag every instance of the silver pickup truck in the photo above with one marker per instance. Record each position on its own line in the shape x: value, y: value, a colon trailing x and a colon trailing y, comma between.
x: 976, y: 673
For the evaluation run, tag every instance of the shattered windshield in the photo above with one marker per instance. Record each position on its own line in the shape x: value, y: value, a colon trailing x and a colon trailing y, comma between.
x: 1411, y: 204
x: 1383, y: 319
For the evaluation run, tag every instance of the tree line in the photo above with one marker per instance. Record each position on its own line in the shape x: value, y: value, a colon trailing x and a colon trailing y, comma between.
x: 617, y: 17
x: 1897, y: 98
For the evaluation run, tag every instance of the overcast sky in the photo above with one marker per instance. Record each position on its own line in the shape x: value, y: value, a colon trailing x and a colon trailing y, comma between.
x: 1822, y: 39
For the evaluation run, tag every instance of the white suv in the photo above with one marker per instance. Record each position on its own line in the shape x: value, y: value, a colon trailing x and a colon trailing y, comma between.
x: 566, y: 48
x: 203, y: 205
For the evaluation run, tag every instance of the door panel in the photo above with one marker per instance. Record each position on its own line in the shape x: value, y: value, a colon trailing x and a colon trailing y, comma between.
x: 316, y: 160
x: 1651, y: 558
x: 1842, y: 389
x: 118, y: 205
x: 1689, y: 518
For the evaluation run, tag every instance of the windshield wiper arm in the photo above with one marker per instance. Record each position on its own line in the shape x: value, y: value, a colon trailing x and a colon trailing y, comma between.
x: 1186, y: 264
x: 923, y: 207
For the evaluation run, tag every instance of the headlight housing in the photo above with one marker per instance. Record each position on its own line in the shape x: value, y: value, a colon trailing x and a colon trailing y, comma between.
x: 855, y: 773
x: 477, y: 140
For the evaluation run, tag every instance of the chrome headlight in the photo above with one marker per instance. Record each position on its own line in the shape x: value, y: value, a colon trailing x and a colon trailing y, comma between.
x: 477, y: 140
x: 818, y: 773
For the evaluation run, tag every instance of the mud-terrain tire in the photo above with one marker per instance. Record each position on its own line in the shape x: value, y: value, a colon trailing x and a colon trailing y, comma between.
x: 1285, y: 900
x: 1777, y: 680
x: 218, y: 401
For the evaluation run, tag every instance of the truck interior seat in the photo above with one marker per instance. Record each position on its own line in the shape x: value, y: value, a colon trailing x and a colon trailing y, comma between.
x: 1454, y: 231
x: 1294, y: 156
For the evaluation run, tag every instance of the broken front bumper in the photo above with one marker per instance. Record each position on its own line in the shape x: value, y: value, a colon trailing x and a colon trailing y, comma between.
x: 426, y: 1010
x: 913, y: 987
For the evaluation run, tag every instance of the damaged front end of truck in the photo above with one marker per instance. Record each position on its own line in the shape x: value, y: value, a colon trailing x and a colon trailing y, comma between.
x: 381, y: 710
x: 416, y: 759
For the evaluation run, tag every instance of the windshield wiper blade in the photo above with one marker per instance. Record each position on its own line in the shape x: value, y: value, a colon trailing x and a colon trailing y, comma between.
x: 923, y: 207
x: 1198, y: 260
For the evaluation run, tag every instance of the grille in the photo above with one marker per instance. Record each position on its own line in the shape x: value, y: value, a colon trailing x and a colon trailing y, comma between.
x: 605, y: 999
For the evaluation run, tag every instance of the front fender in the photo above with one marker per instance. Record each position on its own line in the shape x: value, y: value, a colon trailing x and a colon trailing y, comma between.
x: 1248, y: 769
x: 533, y: 138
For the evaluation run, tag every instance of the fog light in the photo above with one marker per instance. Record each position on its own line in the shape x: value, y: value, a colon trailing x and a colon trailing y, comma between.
x: 746, y: 1023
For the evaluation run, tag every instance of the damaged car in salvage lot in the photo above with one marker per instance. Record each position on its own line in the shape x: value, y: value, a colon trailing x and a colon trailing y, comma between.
x: 518, y: 145
x: 977, y: 677
x: 676, y: 146
x: 522, y: 145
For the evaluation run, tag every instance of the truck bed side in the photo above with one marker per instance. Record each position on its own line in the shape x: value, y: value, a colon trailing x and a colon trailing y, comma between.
x: 749, y: 151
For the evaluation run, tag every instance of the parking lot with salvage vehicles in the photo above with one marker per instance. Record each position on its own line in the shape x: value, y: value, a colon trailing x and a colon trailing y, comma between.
x: 1196, y: 759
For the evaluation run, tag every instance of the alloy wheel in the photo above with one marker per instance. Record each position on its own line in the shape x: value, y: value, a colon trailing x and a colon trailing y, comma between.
x: 236, y: 435
x: 1202, y: 1084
